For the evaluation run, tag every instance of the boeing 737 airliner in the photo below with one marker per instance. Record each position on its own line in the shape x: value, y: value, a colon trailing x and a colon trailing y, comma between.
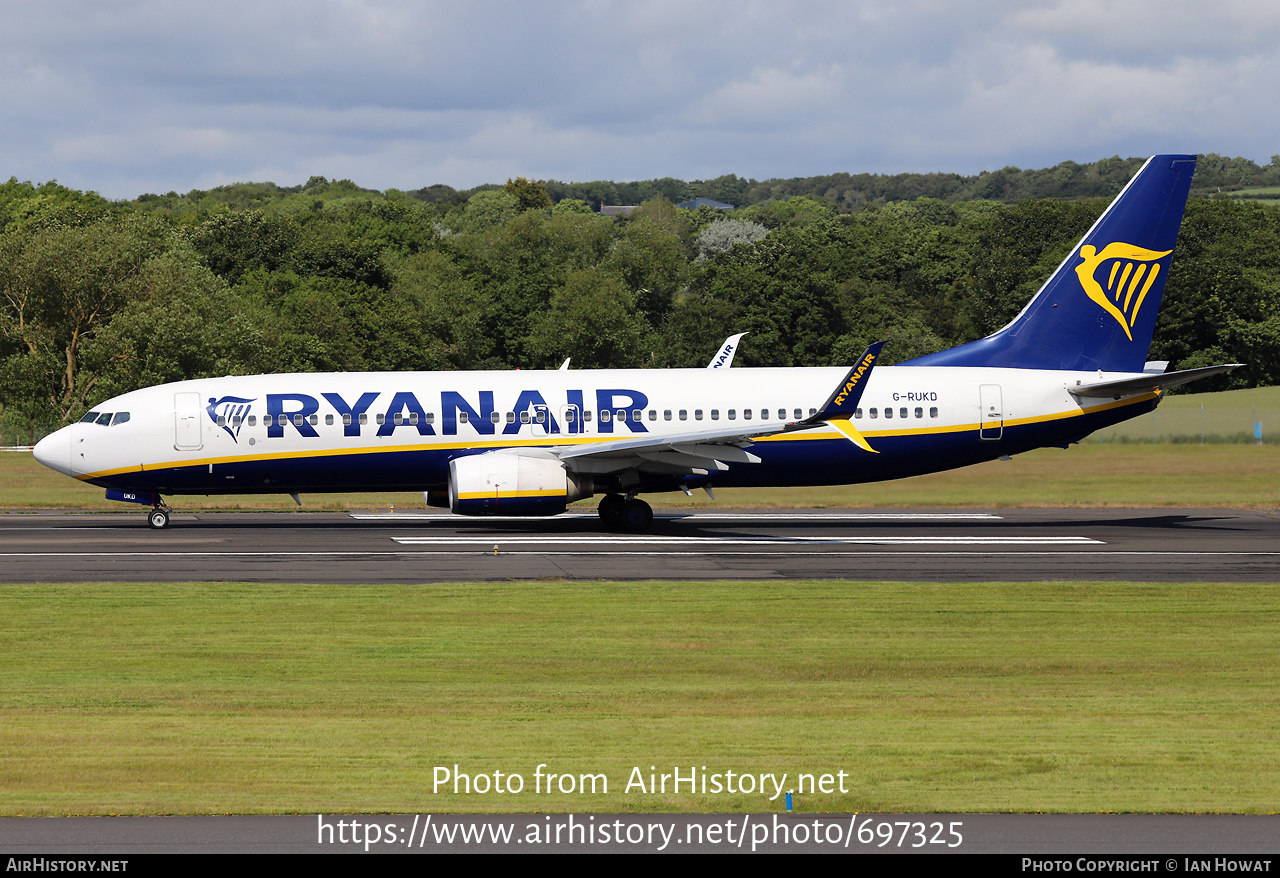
x: 530, y: 442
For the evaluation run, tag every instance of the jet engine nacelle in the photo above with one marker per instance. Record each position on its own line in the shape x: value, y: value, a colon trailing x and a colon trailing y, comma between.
x: 501, y: 483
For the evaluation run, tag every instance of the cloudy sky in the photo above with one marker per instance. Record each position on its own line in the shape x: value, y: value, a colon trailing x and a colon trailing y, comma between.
x: 133, y: 96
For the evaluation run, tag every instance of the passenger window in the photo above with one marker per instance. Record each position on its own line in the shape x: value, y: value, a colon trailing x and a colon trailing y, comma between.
x: 235, y: 422
x: 812, y: 412
x: 902, y: 412
x: 586, y: 416
x: 120, y: 418
x: 540, y: 416
x: 495, y: 418
x: 297, y: 420
x: 253, y: 420
x: 511, y: 417
x: 524, y: 418
x: 746, y: 414
x: 605, y: 416
x: 267, y: 420
x: 798, y: 414
x: 382, y: 419
x: 933, y: 411
x: 715, y: 414
x: 222, y: 421
x: 346, y: 419
x: 462, y: 418
x: 888, y: 412
x: 857, y: 414
x: 919, y: 412
x: 621, y: 414
x: 733, y: 414
x: 782, y: 414
x: 637, y: 416
x: 398, y: 419
x: 666, y: 415
x: 314, y: 419
x: 431, y: 417
x: 697, y: 414
x: 328, y: 420
x: 874, y: 414
x: 653, y: 415
x: 684, y: 414
x: 364, y: 419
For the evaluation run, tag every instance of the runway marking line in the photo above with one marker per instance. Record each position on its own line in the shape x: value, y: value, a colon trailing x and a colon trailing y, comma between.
x: 573, y: 539
x: 700, y: 516
x: 357, y: 553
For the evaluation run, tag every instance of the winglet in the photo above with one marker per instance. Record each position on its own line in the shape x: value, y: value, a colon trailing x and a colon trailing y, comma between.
x: 848, y: 394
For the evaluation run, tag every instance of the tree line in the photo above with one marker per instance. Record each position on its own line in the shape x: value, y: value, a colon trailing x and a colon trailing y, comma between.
x: 99, y: 297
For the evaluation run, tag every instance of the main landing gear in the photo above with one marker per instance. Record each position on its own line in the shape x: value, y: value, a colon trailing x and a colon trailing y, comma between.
x: 625, y: 513
x: 158, y: 517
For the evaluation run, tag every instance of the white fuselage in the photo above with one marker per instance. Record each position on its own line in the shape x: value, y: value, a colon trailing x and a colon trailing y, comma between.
x: 398, y: 431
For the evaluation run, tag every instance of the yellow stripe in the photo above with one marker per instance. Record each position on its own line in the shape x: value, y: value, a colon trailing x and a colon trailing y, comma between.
x: 483, y: 495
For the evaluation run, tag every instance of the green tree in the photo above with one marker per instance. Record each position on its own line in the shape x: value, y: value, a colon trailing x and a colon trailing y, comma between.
x: 59, y: 286
x: 592, y: 319
x: 233, y: 244
x: 530, y: 194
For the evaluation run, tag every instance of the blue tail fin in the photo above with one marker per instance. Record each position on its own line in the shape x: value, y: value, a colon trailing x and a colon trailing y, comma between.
x: 1098, y: 309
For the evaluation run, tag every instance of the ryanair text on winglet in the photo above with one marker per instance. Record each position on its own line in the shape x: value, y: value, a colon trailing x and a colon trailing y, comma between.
x: 853, y: 381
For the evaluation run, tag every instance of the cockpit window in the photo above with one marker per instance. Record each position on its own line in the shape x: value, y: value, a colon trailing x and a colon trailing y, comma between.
x: 105, y: 419
x: 90, y: 418
x: 120, y: 418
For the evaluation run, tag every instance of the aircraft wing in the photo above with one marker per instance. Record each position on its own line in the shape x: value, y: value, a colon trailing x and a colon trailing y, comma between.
x: 703, y: 451
x: 1147, y: 383
x: 699, y: 452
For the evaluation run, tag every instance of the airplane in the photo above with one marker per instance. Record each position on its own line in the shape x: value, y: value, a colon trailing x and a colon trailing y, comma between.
x: 530, y: 442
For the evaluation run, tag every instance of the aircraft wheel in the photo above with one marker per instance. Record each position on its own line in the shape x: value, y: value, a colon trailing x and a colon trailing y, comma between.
x: 158, y: 519
x: 610, y: 509
x: 637, y: 515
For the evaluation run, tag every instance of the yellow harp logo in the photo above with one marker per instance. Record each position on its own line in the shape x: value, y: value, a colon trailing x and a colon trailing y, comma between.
x: 1133, y: 272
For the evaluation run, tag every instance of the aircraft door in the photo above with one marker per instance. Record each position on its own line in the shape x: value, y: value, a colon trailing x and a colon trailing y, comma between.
x: 990, y: 412
x: 571, y: 419
x: 540, y: 420
x: 186, y: 422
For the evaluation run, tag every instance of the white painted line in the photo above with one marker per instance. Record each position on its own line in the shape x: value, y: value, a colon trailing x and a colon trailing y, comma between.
x: 588, y: 539
x: 699, y: 516
x: 845, y: 516
x: 667, y: 554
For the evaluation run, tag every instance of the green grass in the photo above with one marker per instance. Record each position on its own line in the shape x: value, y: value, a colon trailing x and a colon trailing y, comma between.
x: 1099, y: 475
x: 251, y: 698
x: 1263, y: 194
x: 1227, y: 416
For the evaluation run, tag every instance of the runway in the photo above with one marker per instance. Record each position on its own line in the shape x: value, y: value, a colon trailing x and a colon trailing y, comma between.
x: 923, y: 545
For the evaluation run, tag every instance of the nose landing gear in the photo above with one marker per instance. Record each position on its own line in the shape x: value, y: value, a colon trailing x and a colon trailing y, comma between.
x: 158, y: 518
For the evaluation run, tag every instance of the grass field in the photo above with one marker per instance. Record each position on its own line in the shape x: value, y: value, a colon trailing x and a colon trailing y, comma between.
x: 1099, y: 475
x: 1262, y: 194
x: 1228, y: 416
x: 252, y: 698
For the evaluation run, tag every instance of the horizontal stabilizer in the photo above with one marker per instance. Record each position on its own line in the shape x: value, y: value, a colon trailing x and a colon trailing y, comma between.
x: 1149, y: 382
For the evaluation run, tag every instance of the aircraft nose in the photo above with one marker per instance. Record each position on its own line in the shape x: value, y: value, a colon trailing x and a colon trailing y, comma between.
x: 54, y: 451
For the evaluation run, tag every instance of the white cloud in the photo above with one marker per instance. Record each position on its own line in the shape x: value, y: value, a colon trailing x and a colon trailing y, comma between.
x: 138, y: 95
